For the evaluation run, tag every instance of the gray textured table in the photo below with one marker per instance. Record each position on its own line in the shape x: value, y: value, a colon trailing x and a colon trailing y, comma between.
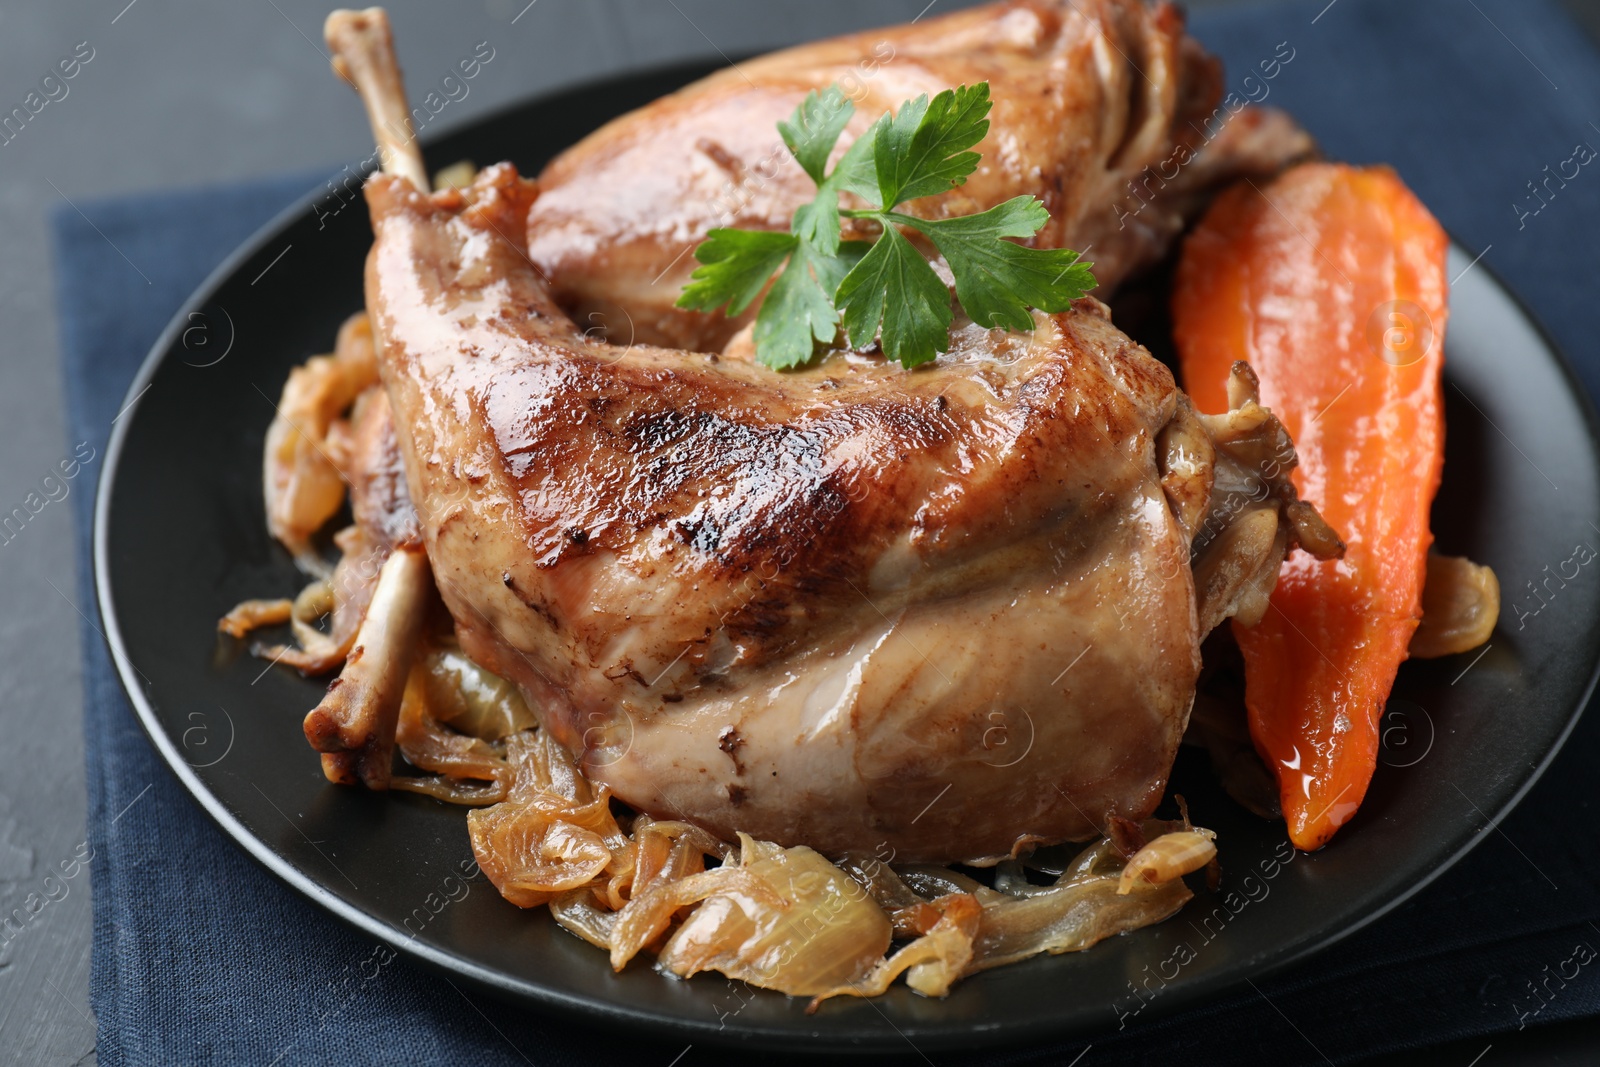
x: 185, y: 92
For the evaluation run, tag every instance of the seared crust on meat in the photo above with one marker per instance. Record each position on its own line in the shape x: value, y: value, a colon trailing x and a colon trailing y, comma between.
x: 1103, y: 109
x: 879, y: 579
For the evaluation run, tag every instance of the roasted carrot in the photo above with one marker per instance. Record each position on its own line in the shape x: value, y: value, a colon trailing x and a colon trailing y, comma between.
x: 1331, y: 282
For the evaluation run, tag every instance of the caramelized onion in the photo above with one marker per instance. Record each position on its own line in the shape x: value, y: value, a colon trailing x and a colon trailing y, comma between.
x: 579, y: 914
x: 1011, y: 879
x: 304, y: 488
x: 789, y: 921
x: 660, y: 852
x: 553, y: 833
x: 780, y: 918
x: 975, y: 928
x: 1168, y: 857
x: 538, y: 847
x: 472, y: 699
x: 428, y: 744
x: 1071, y: 918
x: 1460, y: 606
x: 932, y: 962
x: 931, y: 881
x: 887, y: 889
x: 247, y: 615
x: 648, y: 915
x: 450, y: 790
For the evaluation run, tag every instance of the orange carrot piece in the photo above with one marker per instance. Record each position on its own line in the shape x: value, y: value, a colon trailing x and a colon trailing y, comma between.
x: 1331, y: 282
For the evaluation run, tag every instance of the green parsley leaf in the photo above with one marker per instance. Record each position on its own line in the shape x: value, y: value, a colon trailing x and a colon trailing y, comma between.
x: 814, y: 128
x: 857, y: 171
x: 922, y: 151
x: 885, y: 287
x: 798, y: 311
x: 832, y: 270
x: 736, y: 266
x: 895, y: 285
x: 997, y: 281
x: 818, y: 221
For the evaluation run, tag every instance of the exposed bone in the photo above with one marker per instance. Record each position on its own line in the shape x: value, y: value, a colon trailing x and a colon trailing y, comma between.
x: 344, y: 595
x: 354, y: 725
x: 369, y: 458
x: 363, y: 55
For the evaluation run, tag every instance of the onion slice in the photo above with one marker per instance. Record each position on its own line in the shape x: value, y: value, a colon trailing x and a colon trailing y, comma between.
x: 1167, y: 858
x: 785, y: 919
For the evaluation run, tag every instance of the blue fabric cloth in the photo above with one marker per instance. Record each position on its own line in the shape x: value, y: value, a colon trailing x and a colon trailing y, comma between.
x: 212, y: 960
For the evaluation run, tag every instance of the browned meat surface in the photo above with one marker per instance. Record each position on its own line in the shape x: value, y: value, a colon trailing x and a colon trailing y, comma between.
x: 949, y: 613
x: 803, y: 606
x: 1097, y: 105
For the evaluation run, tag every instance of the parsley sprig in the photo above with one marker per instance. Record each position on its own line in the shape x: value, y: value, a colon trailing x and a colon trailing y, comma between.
x: 885, y: 287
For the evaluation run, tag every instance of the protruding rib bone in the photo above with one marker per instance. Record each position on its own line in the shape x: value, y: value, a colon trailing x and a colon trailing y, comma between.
x: 354, y: 726
x: 363, y: 54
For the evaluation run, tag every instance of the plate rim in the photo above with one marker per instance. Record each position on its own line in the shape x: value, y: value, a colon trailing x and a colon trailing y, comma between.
x: 551, y: 998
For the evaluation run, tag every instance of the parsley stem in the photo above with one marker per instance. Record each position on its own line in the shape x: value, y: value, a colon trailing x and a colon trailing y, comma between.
x: 811, y: 282
x: 882, y: 218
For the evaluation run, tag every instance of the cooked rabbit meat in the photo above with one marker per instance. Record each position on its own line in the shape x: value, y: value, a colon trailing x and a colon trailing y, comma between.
x: 1097, y: 105
x: 804, y: 607
x: 797, y: 606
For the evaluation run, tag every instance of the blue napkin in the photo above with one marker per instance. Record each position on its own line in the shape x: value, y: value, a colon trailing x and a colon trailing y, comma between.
x: 202, y: 957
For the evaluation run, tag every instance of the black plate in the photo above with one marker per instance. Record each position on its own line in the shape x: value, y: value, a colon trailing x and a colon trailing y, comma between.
x: 179, y: 538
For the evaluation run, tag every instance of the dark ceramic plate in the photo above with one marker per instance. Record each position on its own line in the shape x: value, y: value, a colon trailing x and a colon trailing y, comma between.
x: 179, y: 538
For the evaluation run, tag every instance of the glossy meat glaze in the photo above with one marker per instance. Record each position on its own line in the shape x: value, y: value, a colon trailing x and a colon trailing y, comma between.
x: 804, y: 606
x: 940, y: 614
x: 1097, y: 106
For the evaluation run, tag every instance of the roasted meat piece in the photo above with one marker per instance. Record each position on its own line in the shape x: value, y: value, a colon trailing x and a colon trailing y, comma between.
x: 806, y: 607
x: 1101, y: 110
x: 947, y: 614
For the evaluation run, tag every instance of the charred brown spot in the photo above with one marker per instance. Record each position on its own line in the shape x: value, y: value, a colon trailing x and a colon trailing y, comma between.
x: 1127, y: 836
x: 724, y: 159
x: 618, y: 671
x: 535, y: 604
x: 730, y: 741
